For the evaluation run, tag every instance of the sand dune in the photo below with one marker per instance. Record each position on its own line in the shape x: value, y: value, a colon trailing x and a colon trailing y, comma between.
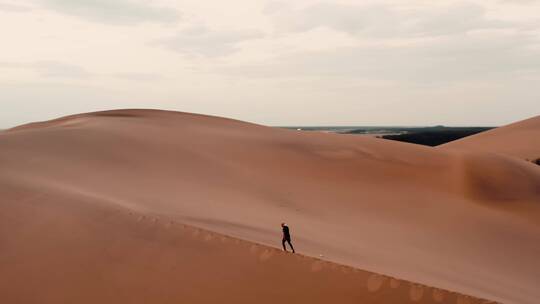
x: 113, y: 255
x: 520, y: 139
x: 105, y: 203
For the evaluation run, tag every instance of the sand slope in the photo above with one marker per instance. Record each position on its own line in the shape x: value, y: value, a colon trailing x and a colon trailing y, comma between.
x: 113, y: 255
x: 96, y: 200
x: 520, y: 139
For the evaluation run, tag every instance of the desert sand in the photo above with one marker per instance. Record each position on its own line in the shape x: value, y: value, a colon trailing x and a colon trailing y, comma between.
x: 144, y: 206
x: 519, y: 139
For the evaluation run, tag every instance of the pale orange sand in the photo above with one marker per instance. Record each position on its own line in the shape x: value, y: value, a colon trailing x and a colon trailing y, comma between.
x: 519, y: 139
x: 103, y: 208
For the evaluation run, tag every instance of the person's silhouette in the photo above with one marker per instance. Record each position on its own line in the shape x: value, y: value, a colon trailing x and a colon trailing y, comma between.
x: 286, y: 237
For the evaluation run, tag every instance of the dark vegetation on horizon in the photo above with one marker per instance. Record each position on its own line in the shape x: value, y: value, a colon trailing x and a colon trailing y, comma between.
x: 436, y: 135
x: 428, y: 136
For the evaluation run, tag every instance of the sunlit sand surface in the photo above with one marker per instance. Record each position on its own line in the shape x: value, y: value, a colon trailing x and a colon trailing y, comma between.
x: 140, y: 206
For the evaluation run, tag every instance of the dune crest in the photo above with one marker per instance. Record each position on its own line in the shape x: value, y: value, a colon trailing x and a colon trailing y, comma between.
x: 110, y: 190
x: 520, y: 139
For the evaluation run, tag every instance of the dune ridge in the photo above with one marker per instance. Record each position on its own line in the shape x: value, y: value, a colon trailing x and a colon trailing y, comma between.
x: 519, y: 139
x: 465, y: 221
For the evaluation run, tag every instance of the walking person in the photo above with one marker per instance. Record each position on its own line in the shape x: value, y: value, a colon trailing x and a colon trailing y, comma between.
x: 286, y: 237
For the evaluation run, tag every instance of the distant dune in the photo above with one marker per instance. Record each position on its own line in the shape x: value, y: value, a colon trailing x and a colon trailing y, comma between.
x: 520, y: 139
x: 144, y: 206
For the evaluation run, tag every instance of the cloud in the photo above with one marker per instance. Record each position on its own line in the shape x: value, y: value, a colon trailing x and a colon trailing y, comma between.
x: 412, y: 44
x: 384, y: 20
x: 50, y: 69
x: 138, y: 76
x: 58, y: 69
x: 116, y: 12
x: 519, y: 1
x: 14, y: 8
x: 475, y: 57
x: 201, y: 41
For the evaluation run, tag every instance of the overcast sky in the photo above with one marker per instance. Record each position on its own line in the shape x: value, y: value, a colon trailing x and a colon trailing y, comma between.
x: 301, y: 62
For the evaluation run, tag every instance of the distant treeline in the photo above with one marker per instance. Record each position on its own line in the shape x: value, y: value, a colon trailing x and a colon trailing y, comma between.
x: 434, y: 136
x: 429, y: 136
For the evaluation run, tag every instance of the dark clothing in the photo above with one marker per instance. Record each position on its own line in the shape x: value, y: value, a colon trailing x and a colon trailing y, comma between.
x: 290, y: 244
x: 286, y: 238
x: 286, y: 234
